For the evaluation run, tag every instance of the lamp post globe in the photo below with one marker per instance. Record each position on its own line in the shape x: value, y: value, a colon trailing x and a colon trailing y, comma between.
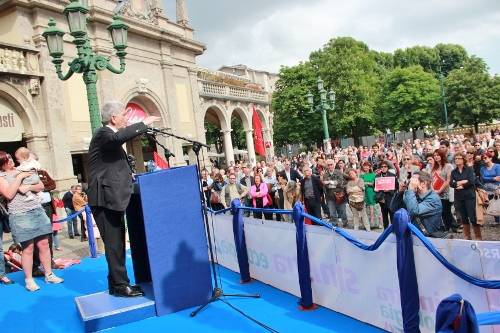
x: 118, y: 30
x: 87, y: 62
x: 323, y: 107
x: 54, y: 38
x: 76, y: 13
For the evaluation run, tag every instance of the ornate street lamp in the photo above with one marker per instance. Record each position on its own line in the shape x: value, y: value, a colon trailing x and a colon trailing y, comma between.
x: 87, y: 63
x: 323, y: 107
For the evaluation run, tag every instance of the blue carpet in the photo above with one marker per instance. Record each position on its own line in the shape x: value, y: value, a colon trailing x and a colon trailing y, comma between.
x: 52, y: 308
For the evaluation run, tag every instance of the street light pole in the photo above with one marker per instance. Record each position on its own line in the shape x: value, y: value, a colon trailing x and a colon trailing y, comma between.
x: 441, y: 81
x: 323, y: 107
x: 87, y: 62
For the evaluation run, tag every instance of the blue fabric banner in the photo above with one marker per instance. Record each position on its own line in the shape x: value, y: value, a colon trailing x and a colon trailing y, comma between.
x: 239, y: 240
x: 303, y: 267
x: 456, y: 315
x: 407, y: 275
x: 90, y: 232
x: 491, y: 284
x: 488, y: 318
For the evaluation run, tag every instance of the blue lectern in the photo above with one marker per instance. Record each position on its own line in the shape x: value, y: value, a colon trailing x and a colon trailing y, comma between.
x: 169, y: 252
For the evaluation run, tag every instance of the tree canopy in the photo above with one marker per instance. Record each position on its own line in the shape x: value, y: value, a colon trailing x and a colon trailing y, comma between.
x: 379, y: 90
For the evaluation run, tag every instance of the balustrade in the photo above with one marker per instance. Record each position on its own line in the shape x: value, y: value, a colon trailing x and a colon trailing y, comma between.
x: 213, y: 89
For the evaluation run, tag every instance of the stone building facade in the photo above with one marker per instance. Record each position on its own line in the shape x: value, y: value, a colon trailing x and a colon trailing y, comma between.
x: 51, y: 116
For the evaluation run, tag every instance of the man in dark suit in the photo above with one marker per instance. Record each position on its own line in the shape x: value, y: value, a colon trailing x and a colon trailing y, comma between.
x: 110, y: 188
x: 247, y: 180
x: 289, y: 173
x: 312, y: 192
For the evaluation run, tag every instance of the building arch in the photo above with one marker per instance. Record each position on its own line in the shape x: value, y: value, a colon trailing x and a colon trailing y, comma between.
x: 220, y: 112
x: 245, y: 117
x: 263, y: 118
x: 150, y: 102
x: 23, y: 107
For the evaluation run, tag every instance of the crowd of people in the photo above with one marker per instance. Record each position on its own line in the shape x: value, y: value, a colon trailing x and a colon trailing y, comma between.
x: 445, y: 183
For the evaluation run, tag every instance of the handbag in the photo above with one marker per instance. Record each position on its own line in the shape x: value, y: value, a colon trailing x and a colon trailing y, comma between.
x: 494, y: 207
x: 48, y: 183
x: 4, y: 219
x: 214, y: 197
x: 339, y: 197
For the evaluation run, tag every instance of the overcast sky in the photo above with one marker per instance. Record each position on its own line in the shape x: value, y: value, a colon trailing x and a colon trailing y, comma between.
x: 265, y: 34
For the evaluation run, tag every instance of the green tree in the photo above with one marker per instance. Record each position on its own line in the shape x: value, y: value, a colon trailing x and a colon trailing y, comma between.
x: 293, y: 122
x: 451, y: 56
x: 427, y: 57
x: 351, y: 69
x: 213, y: 136
x: 238, y: 135
x: 473, y: 96
x: 409, y: 99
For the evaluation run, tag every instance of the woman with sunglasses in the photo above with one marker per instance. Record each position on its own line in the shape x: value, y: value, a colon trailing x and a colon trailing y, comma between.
x: 490, y: 175
x: 463, y: 181
x: 29, y: 224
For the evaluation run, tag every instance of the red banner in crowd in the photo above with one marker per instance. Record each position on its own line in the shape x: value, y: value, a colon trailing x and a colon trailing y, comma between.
x: 258, y: 140
x: 160, y: 162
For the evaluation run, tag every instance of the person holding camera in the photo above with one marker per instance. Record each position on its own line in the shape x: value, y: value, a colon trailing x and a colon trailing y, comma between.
x: 422, y: 203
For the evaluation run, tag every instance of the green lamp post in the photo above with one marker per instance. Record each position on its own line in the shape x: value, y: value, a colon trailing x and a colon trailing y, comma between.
x: 87, y: 62
x: 443, y: 97
x: 323, y: 107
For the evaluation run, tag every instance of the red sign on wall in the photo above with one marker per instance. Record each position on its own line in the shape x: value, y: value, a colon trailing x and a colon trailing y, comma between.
x: 135, y: 114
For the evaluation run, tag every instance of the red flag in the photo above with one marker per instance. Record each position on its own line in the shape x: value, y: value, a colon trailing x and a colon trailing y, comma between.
x: 160, y: 162
x: 258, y: 140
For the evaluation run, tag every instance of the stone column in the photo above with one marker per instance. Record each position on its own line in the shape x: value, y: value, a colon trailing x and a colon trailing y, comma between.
x: 228, y: 146
x: 250, y: 147
x: 267, y: 138
x: 181, y: 12
x: 271, y: 134
x: 169, y: 86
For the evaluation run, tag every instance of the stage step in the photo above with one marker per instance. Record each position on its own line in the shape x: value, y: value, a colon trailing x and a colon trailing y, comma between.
x: 101, y: 311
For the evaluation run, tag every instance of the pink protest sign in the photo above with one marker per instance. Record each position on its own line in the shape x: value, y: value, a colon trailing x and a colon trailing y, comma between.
x: 385, y: 184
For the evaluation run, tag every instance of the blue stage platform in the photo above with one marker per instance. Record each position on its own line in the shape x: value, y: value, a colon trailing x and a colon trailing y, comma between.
x: 53, y: 309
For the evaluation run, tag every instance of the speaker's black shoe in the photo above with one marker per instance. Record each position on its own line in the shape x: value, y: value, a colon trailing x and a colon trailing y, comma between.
x: 126, y: 291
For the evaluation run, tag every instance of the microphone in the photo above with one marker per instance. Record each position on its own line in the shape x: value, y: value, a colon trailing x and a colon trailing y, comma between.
x: 154, y: 131
x: 168, y: 153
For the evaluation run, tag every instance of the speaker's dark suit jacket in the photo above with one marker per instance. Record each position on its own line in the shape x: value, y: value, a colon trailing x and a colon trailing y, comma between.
x: 110, y: 177
x: 110, y: 188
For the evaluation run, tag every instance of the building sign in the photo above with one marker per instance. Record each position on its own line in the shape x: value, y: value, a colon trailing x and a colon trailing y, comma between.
x: 135, y: 114
x: 11, y: 126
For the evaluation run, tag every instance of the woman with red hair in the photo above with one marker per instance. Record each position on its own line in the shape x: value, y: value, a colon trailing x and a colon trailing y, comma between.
x: 28, y: 222
x: 441, y: 176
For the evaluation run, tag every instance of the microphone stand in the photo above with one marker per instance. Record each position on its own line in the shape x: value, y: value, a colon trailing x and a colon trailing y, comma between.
x: 217, y: 292
x: 167, y: 153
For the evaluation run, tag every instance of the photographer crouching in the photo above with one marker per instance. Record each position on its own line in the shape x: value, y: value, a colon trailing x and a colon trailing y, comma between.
x: 423, y: 204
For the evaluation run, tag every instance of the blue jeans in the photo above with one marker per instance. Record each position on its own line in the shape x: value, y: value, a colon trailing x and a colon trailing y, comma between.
x: 73, y: 224
x: 2, y: 260
x: 337, y: 211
